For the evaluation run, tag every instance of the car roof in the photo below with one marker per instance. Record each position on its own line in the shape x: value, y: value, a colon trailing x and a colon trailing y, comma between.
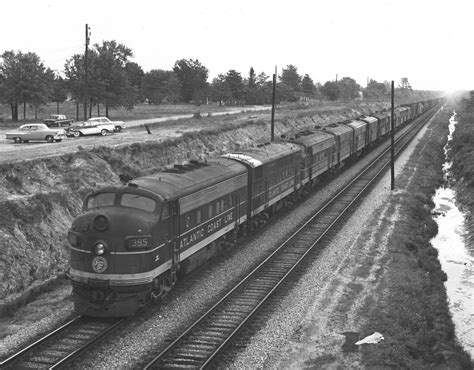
x: 33, y: 124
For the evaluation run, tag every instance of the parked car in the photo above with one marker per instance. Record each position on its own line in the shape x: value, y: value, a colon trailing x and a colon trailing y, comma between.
x: 119, y: 125
x: 36, y: 131
x: 91, y: 127
x: 59, y: 120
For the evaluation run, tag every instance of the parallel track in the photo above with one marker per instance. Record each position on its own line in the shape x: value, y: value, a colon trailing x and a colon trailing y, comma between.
x: 200, y: 344
x: 61, y: 346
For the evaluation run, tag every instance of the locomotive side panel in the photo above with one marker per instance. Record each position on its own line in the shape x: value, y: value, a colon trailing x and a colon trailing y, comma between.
x: 344, y: 140
x: 210, y: 213
x: 372, y: 128
x: 360, y: 135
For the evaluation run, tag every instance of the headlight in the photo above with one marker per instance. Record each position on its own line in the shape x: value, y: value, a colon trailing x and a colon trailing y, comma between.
x: 101, y: 223
x: 99, y: 248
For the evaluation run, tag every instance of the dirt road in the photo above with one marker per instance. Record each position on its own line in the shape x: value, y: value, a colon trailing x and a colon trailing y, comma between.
x: 162, y: 128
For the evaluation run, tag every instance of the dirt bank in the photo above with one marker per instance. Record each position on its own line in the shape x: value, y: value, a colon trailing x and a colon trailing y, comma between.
x: 40, y: 197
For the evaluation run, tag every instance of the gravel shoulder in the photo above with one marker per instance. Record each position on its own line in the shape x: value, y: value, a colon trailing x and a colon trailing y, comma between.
x: 306, y: 330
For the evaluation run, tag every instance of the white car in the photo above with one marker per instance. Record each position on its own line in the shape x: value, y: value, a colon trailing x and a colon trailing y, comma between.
x: 36, y: 131
x: 91, y: 128
x: 119, y: 125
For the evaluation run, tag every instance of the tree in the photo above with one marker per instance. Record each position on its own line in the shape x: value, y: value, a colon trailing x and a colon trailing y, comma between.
x: 75, y: 77
x: 375, y: 90
x: 285, y: 93
x: 24, y: 79
x: 58, y: 90
x: 348, y: 88
x: 110, y: 68
x: 252, y: 82
x: 330, y: 90
x: 158, y: 85
x: 290, y: 77
x: 262, y: 79
x: 236, y: 86
x: 307, y: 86
x: 192, y: 76
x: 220, y: 90
x: 135, y: 76
x: 251, y: 91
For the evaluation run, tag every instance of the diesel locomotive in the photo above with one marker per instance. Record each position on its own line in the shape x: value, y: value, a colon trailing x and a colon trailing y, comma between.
x: 130, y: 241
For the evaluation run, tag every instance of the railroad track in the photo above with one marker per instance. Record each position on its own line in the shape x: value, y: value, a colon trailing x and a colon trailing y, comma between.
x: 200, y: 344
x: 61, y: 346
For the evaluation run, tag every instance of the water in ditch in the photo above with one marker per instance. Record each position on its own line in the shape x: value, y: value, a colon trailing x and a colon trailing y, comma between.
x: 456, y: 255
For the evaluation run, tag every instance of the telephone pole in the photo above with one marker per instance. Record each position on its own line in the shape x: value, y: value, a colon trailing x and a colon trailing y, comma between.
x: 272, y: 135
x: 86, y: 80
x: 392, y: 142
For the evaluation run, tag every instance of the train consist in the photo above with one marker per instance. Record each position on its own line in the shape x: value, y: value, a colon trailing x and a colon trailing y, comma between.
x: 131, y: 242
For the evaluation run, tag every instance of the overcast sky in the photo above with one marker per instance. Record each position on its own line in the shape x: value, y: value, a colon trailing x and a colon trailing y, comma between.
x: 429, y: 42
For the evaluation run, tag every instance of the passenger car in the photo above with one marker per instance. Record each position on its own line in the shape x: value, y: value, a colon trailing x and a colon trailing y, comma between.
x: 119, y: 125
x: 92, y: 127
x: 36, y: 131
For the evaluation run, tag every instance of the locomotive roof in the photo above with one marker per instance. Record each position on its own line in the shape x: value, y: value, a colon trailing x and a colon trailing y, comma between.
x: 313, y: 138
x: 356, y: 123
x: 381, y: 114
x: 186, y: 179
x: 368, y: 119
x: 337, y: 128
x: 259, y: 155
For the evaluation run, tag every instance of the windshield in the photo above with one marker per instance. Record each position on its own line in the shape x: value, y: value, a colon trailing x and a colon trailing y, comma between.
x: 100, y: 200
x: 138, y: 201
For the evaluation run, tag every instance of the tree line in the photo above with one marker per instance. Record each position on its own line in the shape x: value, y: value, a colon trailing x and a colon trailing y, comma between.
x: 115, y: 81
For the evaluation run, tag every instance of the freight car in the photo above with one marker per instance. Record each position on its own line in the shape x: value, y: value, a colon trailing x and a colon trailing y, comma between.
x: 131, y: 241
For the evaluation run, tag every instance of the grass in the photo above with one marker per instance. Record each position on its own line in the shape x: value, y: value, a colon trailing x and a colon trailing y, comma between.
x: 412, y: 312
x: 462, y: 154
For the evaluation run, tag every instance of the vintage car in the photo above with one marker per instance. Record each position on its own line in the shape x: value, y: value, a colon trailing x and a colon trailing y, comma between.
x: 119, y: 125
x: 36, y: 131
x: 91, y: 127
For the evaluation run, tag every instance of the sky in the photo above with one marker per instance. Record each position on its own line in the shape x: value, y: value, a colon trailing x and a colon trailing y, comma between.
x: 429, y: 42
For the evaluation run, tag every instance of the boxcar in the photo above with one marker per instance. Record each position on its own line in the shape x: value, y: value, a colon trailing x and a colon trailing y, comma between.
x: 344, y: 140
x: 383, y: 123
x: 372, y: 128
x: 360, y: 135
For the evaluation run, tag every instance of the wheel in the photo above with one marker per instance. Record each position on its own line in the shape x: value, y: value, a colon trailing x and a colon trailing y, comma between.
x: 49, y: 139
x: 17, y: 140
x: 118, y: 128
x: 76, y: 134
x: 103, y: 132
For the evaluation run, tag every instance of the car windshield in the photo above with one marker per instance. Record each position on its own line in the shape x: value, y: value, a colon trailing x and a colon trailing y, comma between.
x: 138, y: 201
x: 100, y: 200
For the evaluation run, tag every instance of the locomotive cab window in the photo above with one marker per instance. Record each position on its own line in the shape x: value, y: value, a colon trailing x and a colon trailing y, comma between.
x: 138, y: 202
x: 100, y: 200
